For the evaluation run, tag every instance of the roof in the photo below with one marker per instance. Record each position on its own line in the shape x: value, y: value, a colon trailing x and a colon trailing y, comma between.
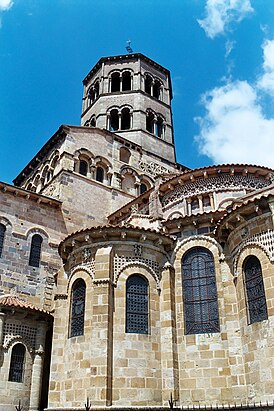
x: 9, y: 300
x: 34, y: 162
x: 104, y: 229
x: 172, y: 180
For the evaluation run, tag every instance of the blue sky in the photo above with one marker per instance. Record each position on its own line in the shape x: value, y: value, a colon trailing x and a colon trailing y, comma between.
x: 220, y: 54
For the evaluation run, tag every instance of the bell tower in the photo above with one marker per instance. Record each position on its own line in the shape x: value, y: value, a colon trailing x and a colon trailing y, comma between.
x: 130, y: 95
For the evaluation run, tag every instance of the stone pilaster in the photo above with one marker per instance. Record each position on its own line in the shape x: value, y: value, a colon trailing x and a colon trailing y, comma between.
x: 170, y: 372
x: 37, y: 368
x: 102, y: 325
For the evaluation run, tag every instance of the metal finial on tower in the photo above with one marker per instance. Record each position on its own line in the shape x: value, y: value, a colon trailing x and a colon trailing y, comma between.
x: 128, y: 47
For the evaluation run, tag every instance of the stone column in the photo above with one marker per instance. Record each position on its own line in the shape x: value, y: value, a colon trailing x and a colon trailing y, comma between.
x: 211, y: 201
x: 188, y: 201
x: 2, y: 323
x: 154, y: 126
x: 102, y: 329
x: 37, y: 368
x: 200, y: 200
x: 169, y: 355
x: 271, y: 206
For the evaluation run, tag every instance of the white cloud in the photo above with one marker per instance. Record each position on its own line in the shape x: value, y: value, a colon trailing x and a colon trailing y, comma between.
x: 221, y: 13
x: 5, y: 5
x: 229, y: 46
x: 235, y: 129
x: 266, y: 80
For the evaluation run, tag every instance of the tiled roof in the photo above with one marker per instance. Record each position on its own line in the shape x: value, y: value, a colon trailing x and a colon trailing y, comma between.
x: 9, y: 300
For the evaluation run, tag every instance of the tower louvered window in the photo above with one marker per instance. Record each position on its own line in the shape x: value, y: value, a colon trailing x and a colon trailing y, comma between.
x: 200, y: 292
x: 255, y: 293
x: 35, y: 250
x: 17, y: 363
x: 137, y: 305
x: 77, y: 318
x: 2, y: 236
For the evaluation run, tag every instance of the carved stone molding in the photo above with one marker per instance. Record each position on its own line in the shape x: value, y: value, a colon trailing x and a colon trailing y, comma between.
x: 152, y: 168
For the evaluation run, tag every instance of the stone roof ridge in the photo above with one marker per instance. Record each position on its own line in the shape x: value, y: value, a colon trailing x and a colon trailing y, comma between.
x: 12, y: 300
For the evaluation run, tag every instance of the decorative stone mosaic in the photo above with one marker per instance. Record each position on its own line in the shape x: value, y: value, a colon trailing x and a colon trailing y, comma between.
x: 203, y: 185
x: 15, y: 330
x: 121, y: 262
x: 265, y: 240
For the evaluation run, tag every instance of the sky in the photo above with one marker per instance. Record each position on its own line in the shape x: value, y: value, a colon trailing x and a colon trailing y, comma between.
x: 220, y: 54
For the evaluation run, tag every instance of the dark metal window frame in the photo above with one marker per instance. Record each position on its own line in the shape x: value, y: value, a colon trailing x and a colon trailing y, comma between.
x: 2, y: 238
x: 35, y: 250
x: 200, y: 292
x: 137, y: 308
x: 254, y: 290
x: 77, y: 309
x: 17, y: 362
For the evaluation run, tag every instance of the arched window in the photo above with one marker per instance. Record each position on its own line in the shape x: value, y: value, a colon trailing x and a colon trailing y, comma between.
x: 137, y: 305
x: 92, y: 122
x: 35, y: 250
x: 126, y: 81
x: 206, y: 201
x: 96, y: 89
x: 125, y: 119
x: 148, y: 84
x: 254, y: 286
x: 157, y: 89
x: 159, y: 127
x: 200, y: 292
x: 91, y: 95
x: 114, y: 120
x: 2, y: 237
x: 77, y: 312
x: 115, y: 82
x: 125, y: 155
x: 83, y: 167
x: 194, y: 204
x: 17, y: 363
x: 128, y: 183
x: 150, y: 123
x: 100, y: 174
x: 143, y: 188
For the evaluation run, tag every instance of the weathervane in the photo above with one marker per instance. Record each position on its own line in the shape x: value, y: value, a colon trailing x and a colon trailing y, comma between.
x: 128, y: 47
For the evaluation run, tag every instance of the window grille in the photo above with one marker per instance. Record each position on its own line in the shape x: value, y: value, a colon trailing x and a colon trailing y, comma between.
x: 137, y: 305
x: 17, y: 363
x: 255, y: 293
x: 35, y: 250
x: 200, y: 292
x: 78, y: 297
x: 2, y: 236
